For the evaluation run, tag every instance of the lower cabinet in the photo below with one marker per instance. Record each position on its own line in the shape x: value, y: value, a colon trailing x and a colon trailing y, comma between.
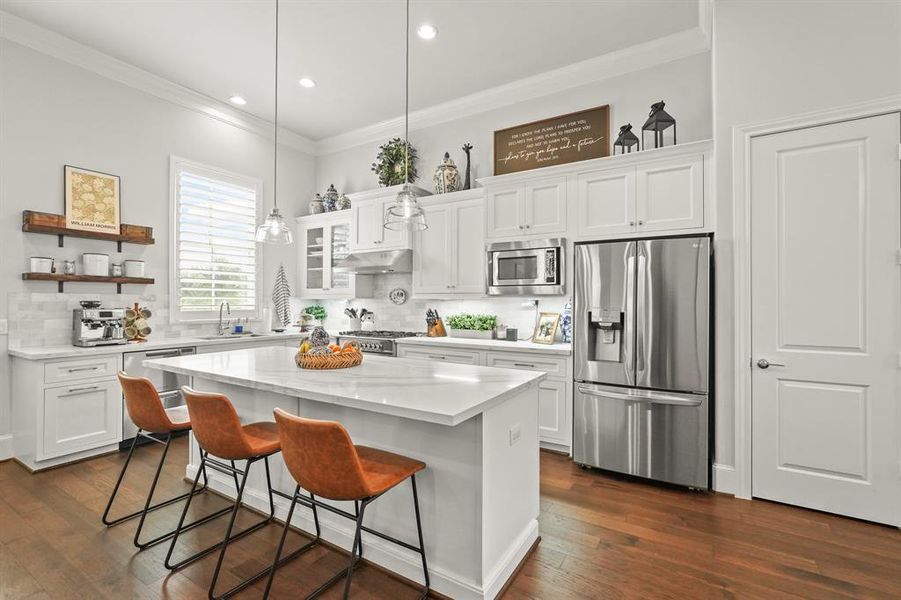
x: 80, y: 416
x: 554, y: 392
x: 553, y: 421
x: 462, y: 357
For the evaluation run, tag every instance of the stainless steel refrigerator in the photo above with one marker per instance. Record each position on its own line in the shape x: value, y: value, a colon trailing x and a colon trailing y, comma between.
x: 641, y: 358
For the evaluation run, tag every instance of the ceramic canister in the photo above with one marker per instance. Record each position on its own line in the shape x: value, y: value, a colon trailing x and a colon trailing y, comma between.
x: 95, y: 264
x: 134, y: 268
x: 40, y: 264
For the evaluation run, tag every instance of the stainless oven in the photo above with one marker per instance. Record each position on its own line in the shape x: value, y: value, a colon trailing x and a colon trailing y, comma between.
x: 527, y: 268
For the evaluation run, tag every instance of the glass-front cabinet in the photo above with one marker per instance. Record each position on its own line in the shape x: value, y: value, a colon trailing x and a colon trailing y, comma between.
x: 325, y: 242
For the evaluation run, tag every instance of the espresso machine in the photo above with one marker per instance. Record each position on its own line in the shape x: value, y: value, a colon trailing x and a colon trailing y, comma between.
x: 98, y: 326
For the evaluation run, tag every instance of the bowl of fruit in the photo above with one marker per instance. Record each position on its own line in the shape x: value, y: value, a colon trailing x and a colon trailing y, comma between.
x: 318, y: 353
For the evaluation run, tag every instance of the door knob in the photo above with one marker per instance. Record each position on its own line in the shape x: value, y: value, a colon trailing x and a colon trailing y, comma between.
x: 765, y: 364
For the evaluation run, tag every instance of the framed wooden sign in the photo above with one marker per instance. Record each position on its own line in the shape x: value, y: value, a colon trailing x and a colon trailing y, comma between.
x: 559, y: 140
x: 92, y: 200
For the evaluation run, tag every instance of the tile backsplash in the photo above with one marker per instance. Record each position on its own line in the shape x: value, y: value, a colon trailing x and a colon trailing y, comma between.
x: 410, y: 316
x: 39, y: 319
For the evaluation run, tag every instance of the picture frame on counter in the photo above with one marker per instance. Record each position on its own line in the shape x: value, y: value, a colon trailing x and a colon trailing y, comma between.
x: 573, y: 137
x: 546, y: 328
x: 92, y: 200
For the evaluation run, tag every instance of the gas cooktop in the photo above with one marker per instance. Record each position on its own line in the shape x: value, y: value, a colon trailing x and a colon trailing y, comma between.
x: 376, y: 342
x: 381, y: 334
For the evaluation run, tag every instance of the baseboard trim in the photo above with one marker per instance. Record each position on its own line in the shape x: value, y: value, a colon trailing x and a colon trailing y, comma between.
x: 338, y: 532
x: 6, y: 446
x: 725, y: 479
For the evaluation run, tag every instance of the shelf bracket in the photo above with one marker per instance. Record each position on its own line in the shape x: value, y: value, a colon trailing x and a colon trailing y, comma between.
x: 59, y: 285
x: 118, y: 288
x: 119, y: 246
x: 61, y: 238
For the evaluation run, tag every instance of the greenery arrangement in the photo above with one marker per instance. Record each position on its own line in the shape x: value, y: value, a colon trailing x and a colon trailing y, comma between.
x: 316, y: 311
x: 389, y: 163
x: 472, y: 322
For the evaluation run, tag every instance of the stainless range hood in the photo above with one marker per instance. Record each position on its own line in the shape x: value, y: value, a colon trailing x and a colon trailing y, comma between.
x: 375, y: 262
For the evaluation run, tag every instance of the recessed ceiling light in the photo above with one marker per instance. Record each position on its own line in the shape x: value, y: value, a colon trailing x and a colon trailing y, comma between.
x: 307, y: 82
x: 427, y: 32
x: 237, y: 100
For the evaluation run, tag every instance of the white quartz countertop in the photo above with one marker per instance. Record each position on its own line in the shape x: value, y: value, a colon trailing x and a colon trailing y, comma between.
x: 51, y: 352
x: 434, y: 392
x: 500, y: 345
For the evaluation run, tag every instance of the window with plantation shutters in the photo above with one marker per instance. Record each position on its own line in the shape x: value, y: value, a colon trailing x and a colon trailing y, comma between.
x: 215, y: 258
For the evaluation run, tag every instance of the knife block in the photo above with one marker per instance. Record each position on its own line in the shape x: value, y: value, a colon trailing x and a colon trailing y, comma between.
x: 437, y: 330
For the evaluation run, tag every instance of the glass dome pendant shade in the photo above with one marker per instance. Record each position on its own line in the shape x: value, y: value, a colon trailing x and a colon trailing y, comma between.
x: 274, y: 229
x: 406, y: 212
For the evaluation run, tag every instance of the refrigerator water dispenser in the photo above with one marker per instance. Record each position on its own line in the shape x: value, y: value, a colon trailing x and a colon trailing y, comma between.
x: 606, y: 329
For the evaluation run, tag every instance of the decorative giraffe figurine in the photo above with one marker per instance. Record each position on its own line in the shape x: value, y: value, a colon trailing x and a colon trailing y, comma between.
x: 466, y: 148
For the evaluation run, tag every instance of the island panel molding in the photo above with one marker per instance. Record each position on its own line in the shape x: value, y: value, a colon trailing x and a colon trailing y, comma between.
x: 573, y: 137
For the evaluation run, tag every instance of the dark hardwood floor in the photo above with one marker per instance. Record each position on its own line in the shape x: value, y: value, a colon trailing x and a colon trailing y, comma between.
x: 602, y: 537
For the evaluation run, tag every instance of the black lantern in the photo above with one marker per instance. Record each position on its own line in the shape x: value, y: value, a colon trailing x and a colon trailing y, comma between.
x: 658, y: 121
x: 625, y: 140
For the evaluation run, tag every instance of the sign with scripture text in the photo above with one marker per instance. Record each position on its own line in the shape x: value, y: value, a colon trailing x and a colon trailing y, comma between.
x: 559, y: 140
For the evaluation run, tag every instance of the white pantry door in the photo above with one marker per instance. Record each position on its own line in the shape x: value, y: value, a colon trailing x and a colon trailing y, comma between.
x: 825, y: 304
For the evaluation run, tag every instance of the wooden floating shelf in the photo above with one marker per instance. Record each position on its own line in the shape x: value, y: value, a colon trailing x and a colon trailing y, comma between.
x: 51, y: 224
x: 62, y: 279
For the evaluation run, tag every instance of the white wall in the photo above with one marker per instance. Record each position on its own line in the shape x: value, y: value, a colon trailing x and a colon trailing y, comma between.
x: 684, y: 84
x: 53, y: 113
x: 774, y: 59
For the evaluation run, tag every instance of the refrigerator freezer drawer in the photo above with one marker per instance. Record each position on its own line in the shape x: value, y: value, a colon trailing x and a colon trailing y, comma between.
x: 658, y: 435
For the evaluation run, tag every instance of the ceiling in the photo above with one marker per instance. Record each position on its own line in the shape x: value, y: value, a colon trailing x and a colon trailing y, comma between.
x: 353, y: 49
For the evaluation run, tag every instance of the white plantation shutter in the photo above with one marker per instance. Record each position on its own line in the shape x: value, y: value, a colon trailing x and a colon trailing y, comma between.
x: 215, y: 254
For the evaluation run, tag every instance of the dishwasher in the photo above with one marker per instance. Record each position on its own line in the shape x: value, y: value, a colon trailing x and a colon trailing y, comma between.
x: 168, y: 385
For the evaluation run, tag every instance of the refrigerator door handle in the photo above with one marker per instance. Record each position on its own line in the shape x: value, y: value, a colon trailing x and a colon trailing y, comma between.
x: 642, y: 316
x: 628, y: 333
x: 642, y: 396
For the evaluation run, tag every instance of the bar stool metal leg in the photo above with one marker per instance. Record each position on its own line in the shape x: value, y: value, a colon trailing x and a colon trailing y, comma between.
x: 358, y: 542
x: 425, y: 568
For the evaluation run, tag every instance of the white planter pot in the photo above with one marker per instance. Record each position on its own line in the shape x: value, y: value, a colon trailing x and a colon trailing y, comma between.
x: 471, y: 334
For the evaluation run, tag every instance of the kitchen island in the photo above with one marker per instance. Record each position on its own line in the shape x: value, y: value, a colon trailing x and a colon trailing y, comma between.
x: 475, y: 427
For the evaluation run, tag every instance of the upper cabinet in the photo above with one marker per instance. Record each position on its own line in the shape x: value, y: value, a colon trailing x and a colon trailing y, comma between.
x: 635, y: 194
x: 449, y: 256
x: 324, y: 241
x: 368, y: 218
x: 530, y: 209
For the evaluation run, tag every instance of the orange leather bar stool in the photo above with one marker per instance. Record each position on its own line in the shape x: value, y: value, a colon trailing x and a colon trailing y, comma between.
x: 221, y: 436
x: 157, y: 424
x: 323, y: 460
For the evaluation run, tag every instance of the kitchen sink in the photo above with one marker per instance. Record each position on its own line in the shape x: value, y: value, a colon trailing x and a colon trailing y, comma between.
x: 232, y: 336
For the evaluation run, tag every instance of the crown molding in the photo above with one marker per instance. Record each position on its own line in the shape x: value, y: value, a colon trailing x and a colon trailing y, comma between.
x: 48, y: 42
x: 620, y: 62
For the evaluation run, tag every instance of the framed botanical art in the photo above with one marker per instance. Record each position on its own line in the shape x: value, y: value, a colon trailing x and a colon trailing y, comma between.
x: 92, y: 200
x: 546, y: 328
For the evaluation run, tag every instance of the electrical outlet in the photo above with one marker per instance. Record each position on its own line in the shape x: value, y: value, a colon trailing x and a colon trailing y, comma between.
x: 530, y: 303
x: 4, y: 327
x: 515, y: 434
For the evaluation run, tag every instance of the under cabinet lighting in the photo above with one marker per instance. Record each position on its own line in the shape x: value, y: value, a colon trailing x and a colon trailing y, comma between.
x: 427, y: 31
x: 237, y: 100
x: 307, y: 82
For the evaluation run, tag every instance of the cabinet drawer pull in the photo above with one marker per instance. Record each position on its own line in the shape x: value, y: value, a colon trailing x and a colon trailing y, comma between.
x: 162, y: 353
x: 82, y: 390
x: 436, y: 356
x: 531, y: 366
x: 77, y: 369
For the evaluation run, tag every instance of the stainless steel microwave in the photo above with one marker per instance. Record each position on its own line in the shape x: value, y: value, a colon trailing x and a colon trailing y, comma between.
x: 527, y: 268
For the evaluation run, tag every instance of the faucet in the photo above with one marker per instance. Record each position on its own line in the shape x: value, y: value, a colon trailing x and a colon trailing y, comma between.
x: 228, y: 309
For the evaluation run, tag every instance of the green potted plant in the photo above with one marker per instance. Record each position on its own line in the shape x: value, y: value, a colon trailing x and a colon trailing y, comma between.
x: 467, y: 325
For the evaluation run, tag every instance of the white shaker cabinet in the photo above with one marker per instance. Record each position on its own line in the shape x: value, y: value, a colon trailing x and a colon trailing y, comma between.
x: 660, y: 195
x: 670, y: 194
x: 449, y: 256
x: 606, y: 202
x: 80, y: 416
x: 533, y: 208
x: 368, y: 219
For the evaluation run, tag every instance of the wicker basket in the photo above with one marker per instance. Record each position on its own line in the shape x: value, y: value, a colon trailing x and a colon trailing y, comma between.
x: 336, y: 360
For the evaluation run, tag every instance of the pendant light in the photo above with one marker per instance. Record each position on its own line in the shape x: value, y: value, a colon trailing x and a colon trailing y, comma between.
x: 274, y: 230
x: 406, y: 212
